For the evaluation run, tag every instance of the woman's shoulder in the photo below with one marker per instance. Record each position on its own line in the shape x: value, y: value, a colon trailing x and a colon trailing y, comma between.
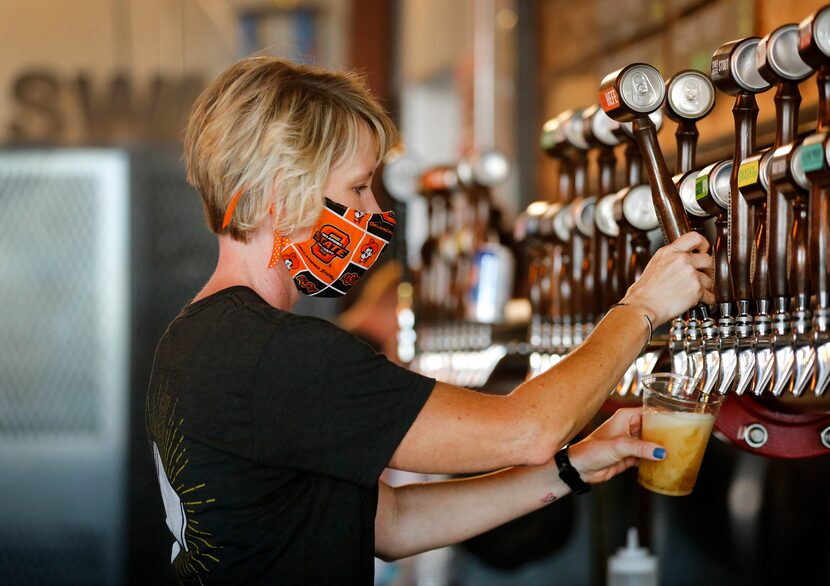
x: 239, y: 311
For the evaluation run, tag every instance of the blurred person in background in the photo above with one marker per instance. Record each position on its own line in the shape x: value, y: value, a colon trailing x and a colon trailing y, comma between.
x: 270, y: 430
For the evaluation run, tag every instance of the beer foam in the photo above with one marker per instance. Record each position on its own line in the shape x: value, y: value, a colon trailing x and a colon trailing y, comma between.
x: 675, y: 418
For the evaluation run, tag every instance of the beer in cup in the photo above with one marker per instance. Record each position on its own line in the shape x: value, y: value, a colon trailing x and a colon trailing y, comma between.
x: 678, y: 416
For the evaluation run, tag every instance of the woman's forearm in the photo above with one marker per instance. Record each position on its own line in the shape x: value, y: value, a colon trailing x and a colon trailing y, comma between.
x: 564, y: 398
x: 431, y: 515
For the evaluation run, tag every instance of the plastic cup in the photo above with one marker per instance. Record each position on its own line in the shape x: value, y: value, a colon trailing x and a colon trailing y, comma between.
x: 678, y: 416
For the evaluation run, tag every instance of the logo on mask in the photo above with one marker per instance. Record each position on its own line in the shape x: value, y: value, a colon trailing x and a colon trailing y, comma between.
x: 307, y: 286
x: 358, y: 216
x: 349, y: 279
x: 290, y: 261
x: 330, y: 242
x: 368, y: 250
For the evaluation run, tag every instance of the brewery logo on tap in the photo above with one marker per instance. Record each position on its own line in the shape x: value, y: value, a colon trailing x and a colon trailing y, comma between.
x: 609, y: 99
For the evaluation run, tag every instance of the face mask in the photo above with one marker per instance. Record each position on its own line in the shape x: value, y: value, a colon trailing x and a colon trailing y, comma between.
x: 344, y: 244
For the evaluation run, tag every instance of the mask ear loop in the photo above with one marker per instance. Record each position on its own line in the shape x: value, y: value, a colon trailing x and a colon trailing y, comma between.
x: 231, y: 208
x: 280, y: 244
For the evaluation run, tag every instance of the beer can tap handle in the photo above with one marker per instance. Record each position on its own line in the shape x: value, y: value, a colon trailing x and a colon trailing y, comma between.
x: 690, y: 96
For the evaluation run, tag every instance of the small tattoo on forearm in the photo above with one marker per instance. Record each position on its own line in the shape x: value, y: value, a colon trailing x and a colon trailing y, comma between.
x: 548, y: 498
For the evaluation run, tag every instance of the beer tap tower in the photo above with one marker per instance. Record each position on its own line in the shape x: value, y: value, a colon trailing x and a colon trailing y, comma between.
x: 734, y: 73
x: 690, y: 96
x: 705, y: 194
x: 599, y: 131
x: 778, y: 62
x: 466, y: 279
x: 763, y: 425
x: 759, y: 358
x: 581, y: 276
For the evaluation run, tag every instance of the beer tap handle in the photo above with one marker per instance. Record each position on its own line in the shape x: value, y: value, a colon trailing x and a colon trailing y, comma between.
x: 787, y: 175
x: 778, y: 62
x: 800, y: 271
x: 686, y: 136
x: 712, y: 195
x: 601, y: 131
x: 633, y: 163
x: 603, y: 252
x: 753, y: 186
x: 672, y: 216
x: 735, y: 73
x: 690, y: 96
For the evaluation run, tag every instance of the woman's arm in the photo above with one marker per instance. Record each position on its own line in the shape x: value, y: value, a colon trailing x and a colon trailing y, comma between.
x: 418, y: 517
x: 460, y: 431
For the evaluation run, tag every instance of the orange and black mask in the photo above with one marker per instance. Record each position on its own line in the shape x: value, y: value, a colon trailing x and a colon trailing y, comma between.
x: 344, y: 244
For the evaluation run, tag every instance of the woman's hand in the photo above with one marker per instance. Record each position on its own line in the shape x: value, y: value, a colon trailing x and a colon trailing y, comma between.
x: 678, y: 276
x: 613, y: 447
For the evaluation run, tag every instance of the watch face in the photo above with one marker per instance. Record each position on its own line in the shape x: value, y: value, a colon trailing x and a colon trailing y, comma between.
x: 691, y: 95
x: 604, y: 217
x: 638, y: 209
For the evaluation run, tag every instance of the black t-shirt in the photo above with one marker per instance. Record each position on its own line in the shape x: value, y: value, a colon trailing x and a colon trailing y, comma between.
x: 269, y: 432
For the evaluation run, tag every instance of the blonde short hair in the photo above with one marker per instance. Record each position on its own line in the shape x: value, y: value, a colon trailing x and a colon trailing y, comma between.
x: 272, y: 130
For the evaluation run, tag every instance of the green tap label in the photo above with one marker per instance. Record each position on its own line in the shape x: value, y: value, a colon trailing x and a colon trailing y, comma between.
x: 812, y: 157
x: 748, y: 173
x: 701, y: 187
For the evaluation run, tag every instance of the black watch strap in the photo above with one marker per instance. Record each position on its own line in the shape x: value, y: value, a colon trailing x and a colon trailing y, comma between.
x: 569, y: 474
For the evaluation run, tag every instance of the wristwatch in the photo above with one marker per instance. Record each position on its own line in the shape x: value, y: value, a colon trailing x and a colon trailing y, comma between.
x: 569, y: 474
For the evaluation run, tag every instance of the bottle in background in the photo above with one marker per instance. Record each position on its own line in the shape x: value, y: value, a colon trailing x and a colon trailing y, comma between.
x: 632, y: 565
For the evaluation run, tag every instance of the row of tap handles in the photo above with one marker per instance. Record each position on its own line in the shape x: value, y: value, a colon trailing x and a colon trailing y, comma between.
x: 765, y: 212
x: 467, y: 271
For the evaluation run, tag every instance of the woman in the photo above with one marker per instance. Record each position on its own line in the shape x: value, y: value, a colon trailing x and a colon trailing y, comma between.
x: 270, y: 430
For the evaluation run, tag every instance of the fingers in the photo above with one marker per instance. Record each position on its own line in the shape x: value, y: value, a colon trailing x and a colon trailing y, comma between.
x: 621, y: 423
x: 702, y: 262
x: 707, y: 294
x: 630, y: 447
x: 706, y: 282
x: 690, y: 242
